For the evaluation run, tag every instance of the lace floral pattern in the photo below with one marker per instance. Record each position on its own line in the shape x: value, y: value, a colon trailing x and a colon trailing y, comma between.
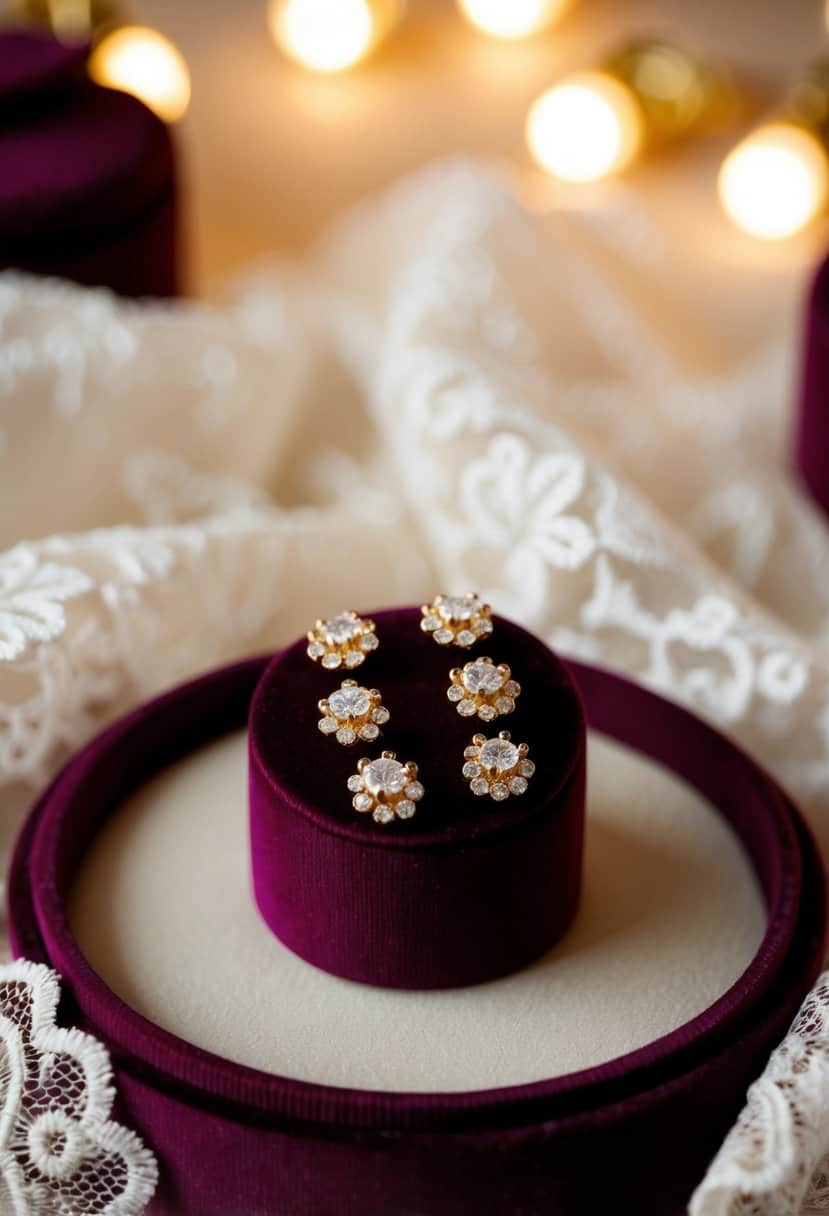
x: 59, y: 1152
x: 447, y: 399
x: 772, y: 1163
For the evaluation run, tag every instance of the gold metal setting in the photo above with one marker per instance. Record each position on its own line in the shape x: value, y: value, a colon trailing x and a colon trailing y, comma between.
x: 385, y: 788
x: 457, y: 619
x: 342, y: 641
x: 481, y: 688
x: 497, y: 766
x: 352, y: 712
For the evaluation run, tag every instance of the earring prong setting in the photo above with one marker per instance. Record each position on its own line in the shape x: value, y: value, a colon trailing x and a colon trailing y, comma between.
x: 497, y: 766
x: 457, y: 619
x: 352, y: 712
x: 343, y: 640
x: 385, y: 788
x: 480, y: 688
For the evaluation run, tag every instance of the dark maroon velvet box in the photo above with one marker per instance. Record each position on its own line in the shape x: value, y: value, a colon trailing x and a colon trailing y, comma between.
x: 87, y: 188
x: 232, y: 1141
x: 812, y: 437
x: 466, y: 890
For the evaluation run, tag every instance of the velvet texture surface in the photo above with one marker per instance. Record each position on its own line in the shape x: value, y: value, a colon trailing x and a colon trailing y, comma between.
x: 232, y: 1141
x: 812, y: 439
x: 88, y: 189
x: 466, y: 890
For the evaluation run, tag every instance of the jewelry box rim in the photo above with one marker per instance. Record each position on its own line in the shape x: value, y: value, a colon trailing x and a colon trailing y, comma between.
x: 145, y: 1049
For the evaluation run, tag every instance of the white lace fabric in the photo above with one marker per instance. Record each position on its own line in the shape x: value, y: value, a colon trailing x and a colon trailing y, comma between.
x: 59, y: 1152
x: 443, y: 397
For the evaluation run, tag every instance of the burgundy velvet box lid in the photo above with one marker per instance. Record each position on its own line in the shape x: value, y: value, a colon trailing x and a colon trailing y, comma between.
x: 652, y: 1118
x: 33, y: 65
x: 466, y: 890
x: 88, y: 181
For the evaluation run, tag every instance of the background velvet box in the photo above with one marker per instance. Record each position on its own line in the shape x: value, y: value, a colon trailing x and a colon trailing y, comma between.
x: 232, y: 1141
x: 467, y: 890
x: 87, y: 190
x: 812, y: 440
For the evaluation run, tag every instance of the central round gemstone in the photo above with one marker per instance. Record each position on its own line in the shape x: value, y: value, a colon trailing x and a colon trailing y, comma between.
x: 339, y: 629
x: 458, y: 607
x: 384, y: 776
x: 349, y: 703
x: 482, y: 677
x: 499, y: 754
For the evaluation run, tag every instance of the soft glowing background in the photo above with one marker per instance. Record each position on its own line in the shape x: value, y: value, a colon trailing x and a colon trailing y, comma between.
x: 272, y: 152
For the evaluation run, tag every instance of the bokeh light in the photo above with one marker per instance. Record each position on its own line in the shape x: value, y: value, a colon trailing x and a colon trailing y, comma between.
x: 512, y: 18
x: 585, y: 128
x: 143, y: 62
x: 775, y: 182
x: 330, y: 35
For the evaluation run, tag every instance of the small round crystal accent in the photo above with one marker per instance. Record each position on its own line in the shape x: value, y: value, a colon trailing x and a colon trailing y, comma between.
x: 466, y: 708
x: 369, y: 732
x: 443, y: 636
x: 381, y: 715
x: 346, y: 736
x: 504, y: 705
x: 315, y: 650
x: 362, y: 802
x: 414, y: 790
x: 499, y: 791
x: 487, y: 712
x: 526, y: 768
x: 369, y: 642
x: 331, y: 661
x: 328, y: 725
x: 383, y: 814
x: 471, y: 769
x: 405, y: 808
x: 479, y: 786
x: 455, y: 693
x: 353, y: 658
x: 518, y: 785
x: 355, y: 783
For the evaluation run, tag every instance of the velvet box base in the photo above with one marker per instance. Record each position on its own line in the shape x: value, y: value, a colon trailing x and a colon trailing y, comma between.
x: 812, y: 438
x: 468, y: 889
x: 90, y: 191
x: 234, y: 1141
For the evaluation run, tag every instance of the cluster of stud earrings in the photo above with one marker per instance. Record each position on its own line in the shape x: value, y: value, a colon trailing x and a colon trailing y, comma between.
x: 385, y: 787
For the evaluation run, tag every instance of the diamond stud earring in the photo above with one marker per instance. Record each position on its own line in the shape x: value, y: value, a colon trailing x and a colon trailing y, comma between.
x: 461, y: 619
x: 342, y: 641
x: 385, y: 788
x: 497, y: 767
x: 482, y: 688
x: 352, y: 712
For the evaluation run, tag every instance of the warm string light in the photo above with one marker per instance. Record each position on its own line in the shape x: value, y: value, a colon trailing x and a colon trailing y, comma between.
x: 331, y: 35
x: 596, y: 123
x: 512, y: 19
x: 585, y: 128
x: 776, y: 181
x: 141, y: 61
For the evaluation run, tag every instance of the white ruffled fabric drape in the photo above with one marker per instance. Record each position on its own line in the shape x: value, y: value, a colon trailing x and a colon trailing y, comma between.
x: 441, y: 397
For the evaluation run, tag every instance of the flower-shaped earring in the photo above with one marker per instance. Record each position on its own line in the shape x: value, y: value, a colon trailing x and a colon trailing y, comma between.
x: 386, y: 788
x: 481, y: 688
x: 352, y: 712
x: 498, y: 766
x: 461, y: 619
x: 342, y: 641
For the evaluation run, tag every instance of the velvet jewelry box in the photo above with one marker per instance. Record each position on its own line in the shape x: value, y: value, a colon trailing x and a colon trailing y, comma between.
x: 232, y: 1139
x: 87, y: 181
